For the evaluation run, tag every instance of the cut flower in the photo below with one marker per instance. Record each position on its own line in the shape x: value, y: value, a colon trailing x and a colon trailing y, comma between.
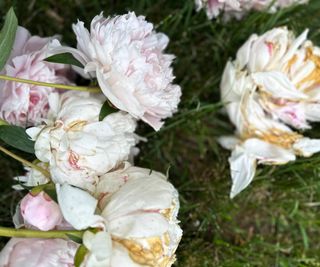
x: 78, y: 147
x: 139, y: 208
x: 269, y: 89
x: 126, y: 56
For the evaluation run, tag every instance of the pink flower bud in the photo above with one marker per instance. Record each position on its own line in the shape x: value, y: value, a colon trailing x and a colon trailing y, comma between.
x: 40, y: 211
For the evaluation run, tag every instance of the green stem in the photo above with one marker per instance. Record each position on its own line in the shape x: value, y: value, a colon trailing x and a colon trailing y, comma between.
x: 12, y: 232
x: 25, y: 162
x: 54, y: 85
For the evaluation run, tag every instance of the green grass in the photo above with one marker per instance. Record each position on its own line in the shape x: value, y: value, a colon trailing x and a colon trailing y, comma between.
x: 276, y: 220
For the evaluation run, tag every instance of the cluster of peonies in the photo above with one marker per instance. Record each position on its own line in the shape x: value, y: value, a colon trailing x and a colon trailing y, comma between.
x: 238, y: 8
x: 271, y: 94
x: 128, y: 214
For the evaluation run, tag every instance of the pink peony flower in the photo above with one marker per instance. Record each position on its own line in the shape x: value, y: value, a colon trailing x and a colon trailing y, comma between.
x: 34, y: 252
x: 40, y: 211
x: 126, y: 55
x: 25, y: 104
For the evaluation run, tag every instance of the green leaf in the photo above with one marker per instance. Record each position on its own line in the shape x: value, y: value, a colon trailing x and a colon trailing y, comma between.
x: 16, y: 137
x: 49, y: 189
x: 75, y: 238
x: 3, y: 122
x: 7, y: 36
x: 80, y: 254
x: 106, y: 109
x: 64, y: 58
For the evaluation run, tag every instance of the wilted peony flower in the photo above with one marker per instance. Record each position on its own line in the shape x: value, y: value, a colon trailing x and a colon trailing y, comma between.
x: 34, y: 252
x: 238, y: 8
x: 140, y: 212
x: 272, y: 83
x: 40, y: 211
x: 78, y: 147
x: 26, y: 104
x: 126, y: 55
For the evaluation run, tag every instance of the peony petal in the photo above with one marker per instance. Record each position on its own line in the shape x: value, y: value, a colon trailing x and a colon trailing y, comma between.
x: 78, y: 207
x: 121, y: 257
x: 307, y: 147
x: 278, y: 85
x: 119, y: 92
x: 140, y: 194
x: 139, y: 225
x: 228, y: 142
x: 243, y: 168
x: 245, y: 52
x: 267, y: 153
x: 100, y: 249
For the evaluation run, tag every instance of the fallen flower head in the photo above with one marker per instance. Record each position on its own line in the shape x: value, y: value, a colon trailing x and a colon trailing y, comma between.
x: 126, y: 56
x: 271, y: 85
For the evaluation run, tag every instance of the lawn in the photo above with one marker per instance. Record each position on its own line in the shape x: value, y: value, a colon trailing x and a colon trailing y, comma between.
x: 276, y: 220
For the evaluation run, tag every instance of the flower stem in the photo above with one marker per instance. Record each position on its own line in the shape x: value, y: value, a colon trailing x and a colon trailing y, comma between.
x: 25, y: 162
x: 64, y: 234
x: 54, y: 85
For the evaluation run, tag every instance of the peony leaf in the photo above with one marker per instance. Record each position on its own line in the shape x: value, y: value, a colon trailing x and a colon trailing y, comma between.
x: 75, y: 238
x: 80, y: 254
x: 64, y: 58
x: 106, y: 109
x: 16, y: 137
x: 7, y: 36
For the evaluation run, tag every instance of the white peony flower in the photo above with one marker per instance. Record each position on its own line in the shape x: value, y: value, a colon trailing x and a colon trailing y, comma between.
x: 78, y: 147
x: 238, y: 8
x: 126, y: 55
x: 271, y: 85
x: 140, y: 211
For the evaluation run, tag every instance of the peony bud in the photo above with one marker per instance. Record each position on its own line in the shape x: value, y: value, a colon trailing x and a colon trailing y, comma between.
x: 40, y: 211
